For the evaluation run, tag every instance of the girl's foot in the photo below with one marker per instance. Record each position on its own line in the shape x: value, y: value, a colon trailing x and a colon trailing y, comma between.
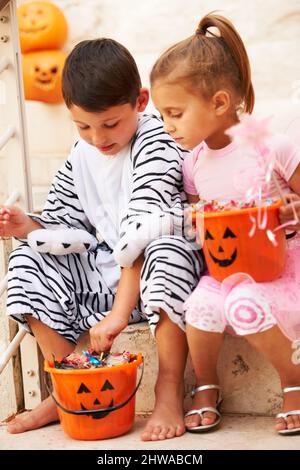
x: 166, y: 420
x: 203, y: 399
x: 43, y: 414
x: 291, y: 401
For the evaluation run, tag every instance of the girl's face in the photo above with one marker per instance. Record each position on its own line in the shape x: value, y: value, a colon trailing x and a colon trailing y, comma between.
x: 187, y: 117
x: 110, y: 130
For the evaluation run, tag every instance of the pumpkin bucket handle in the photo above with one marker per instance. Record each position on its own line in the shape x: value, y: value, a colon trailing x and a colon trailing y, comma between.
x: 102, y: 410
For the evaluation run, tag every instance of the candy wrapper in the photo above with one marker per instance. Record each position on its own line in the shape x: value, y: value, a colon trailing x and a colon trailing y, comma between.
x: 89, y: 359
x: 221, y: 206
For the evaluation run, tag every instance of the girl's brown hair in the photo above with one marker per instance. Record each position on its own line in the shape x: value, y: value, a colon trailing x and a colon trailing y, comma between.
x: 208, y: 62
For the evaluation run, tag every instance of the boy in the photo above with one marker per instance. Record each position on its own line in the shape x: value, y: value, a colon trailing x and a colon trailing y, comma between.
x: 121, y: 179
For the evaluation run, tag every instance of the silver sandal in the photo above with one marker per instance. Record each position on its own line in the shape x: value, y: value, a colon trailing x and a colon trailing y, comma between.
x: 200, y: 411
x: 289, y: 413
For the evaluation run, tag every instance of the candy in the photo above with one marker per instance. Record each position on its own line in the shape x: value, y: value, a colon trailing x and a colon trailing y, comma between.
x: 221, y: 206
x: 90, y: 360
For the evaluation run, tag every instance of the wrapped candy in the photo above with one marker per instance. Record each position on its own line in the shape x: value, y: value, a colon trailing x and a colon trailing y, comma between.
x: 90, y: 360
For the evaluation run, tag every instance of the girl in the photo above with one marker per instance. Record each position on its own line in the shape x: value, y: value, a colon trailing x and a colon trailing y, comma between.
x: 122, y: 177
x: 200, y: 85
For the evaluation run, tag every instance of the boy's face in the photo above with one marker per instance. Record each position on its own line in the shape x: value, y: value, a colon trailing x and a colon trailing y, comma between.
x: 111, y: 130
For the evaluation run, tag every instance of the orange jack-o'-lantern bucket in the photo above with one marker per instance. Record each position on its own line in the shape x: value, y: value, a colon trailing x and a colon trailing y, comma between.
x: 96, y: 403
x: 228, y: 248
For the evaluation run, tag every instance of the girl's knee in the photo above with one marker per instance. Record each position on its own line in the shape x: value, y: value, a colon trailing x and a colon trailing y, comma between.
x: 247, y: 310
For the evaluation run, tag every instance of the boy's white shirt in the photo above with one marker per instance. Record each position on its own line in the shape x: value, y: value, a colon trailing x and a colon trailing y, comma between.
x: 104, y: 186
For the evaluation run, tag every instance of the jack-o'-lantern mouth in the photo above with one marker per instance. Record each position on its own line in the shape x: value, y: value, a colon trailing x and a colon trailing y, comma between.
x: 33, y: 30
x: 223, y: 263
x: 98, y: 415
x: 45, y: 84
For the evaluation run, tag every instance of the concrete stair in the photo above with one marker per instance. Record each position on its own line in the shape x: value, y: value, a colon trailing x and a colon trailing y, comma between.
x: 251, y: 396
x: 250, y: 384
x: 237, y: 432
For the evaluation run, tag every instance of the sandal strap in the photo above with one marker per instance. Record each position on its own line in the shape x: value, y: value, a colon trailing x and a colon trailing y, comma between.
x: 200, y: 411
x: 291, y: 389
x: 201, y: 388
x: 287, y: 414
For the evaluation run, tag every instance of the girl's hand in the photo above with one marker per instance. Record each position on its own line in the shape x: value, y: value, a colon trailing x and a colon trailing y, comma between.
x: 192, y: 227
x: 102, y: 335
x: 189, y: 226
x: 15, y: 223
x: 286, y: 213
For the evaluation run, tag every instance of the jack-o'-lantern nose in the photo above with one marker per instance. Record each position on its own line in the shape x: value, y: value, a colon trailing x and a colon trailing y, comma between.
x: 97, y: 402
x: 220, y: 249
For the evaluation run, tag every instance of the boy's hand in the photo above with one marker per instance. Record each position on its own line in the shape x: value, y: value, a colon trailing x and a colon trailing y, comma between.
x: 102, y: 335
x: 15, y: 223
x: 286, y: 213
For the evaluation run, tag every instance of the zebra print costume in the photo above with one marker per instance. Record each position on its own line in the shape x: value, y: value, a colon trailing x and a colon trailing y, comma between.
x: 72, y: 292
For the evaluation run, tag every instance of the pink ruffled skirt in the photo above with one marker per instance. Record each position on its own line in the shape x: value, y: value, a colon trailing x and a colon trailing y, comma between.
x: 243, y: 306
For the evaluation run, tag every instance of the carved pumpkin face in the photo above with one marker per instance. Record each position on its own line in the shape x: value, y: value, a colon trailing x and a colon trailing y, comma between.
x: 42, y: 73
x: 42, y: 25
x: 222, y: 252
x: 94, y: 399
x: 228, y: 248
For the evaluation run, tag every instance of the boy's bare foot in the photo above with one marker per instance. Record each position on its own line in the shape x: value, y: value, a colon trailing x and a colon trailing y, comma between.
x: 166, y: 420
x: 43, y: 414
x: 291, y: 401
x: 202, y: 399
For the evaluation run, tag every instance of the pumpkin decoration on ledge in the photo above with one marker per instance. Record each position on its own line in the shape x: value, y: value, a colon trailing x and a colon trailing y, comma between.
x: 42, y: 71
x: 42, y: 25
x: 43, y: 31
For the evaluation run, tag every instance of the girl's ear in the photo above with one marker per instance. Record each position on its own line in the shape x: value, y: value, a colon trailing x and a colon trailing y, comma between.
x: 142, y: 100
x: 221, y: 102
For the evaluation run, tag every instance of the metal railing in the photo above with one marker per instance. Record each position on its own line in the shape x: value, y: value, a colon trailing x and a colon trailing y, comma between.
x: 14, y: 344
x: 14, y: 147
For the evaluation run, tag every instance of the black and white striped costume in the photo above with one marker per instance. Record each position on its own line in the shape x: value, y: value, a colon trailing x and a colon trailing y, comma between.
x: 72, y: 292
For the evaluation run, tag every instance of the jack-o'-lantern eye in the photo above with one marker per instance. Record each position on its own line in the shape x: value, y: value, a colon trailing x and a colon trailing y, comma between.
x: 83, y: 389
x: 107, y: 386
x: 229, y: 234
x: 208, y: 235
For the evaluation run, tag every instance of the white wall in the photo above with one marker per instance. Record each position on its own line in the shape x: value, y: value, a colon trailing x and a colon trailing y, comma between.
x: 270, y: 29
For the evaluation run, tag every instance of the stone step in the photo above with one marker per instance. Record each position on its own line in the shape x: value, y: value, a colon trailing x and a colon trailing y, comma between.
x: 250, y: 384
x: 237, y: 432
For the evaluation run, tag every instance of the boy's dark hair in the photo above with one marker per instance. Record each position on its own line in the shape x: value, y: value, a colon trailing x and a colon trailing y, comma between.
x: 98, y: 74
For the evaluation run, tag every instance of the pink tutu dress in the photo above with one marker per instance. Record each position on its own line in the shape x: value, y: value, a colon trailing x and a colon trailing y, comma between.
x: 239, y: 303
x: 243, y: 306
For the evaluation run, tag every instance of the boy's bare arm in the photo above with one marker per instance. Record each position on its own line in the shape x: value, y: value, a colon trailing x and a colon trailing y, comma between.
x: 103, y: 333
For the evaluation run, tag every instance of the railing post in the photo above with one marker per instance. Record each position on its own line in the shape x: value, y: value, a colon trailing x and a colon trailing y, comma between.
x: 14, y: 162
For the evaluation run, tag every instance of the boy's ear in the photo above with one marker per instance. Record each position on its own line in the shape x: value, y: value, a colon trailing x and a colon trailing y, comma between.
x: 142, y: 99
x: 221, y: 102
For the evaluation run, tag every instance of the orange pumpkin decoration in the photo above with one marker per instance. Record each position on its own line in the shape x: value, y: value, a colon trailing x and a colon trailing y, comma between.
x: 42, y: 25
x: 42, y: 72
x: 81, y: 390
x: 228, y: 248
